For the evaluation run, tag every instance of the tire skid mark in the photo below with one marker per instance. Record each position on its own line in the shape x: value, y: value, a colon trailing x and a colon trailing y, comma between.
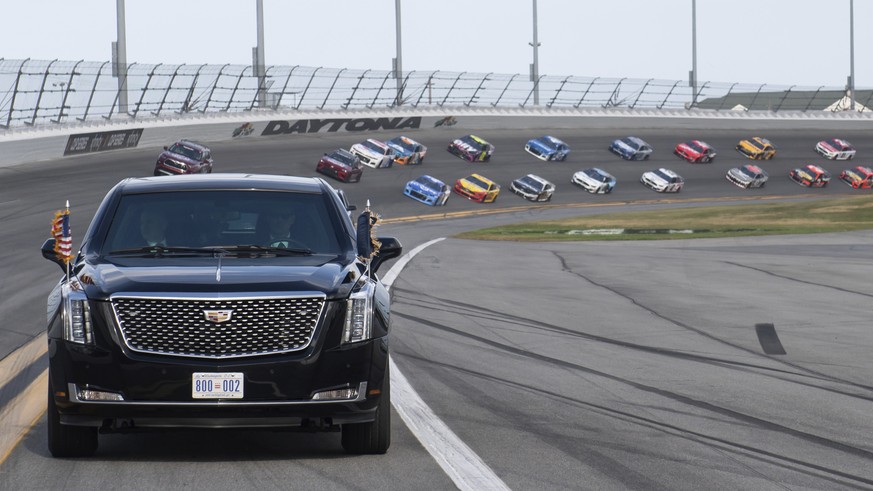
x: 711, y: 337
x: 415, y: 299
x: 720, y: 444
x: 798, y: 280
x: 679, y: 398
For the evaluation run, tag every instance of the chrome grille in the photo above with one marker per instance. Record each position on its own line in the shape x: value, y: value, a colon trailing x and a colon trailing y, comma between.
x: 179, y: 327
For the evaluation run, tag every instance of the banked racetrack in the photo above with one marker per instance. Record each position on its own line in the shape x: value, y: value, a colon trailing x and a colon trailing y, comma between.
x: 562, y: 366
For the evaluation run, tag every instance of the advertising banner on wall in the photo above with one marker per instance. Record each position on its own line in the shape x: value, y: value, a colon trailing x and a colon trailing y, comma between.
x: 101, y: 141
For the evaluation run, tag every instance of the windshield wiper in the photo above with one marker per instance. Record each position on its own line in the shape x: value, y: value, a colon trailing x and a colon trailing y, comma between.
x: 158, y: 250
x: 279, y: 251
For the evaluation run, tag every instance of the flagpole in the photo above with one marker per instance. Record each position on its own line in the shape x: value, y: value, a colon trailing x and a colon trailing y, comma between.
x: 67, y: 211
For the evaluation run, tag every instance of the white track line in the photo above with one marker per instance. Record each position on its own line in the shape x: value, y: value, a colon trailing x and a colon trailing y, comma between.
x: 466, y: 469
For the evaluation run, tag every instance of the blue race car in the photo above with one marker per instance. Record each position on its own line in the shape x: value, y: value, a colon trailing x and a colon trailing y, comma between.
x: 547, y: 148
x: 428, y: 190
x: 631, y: 148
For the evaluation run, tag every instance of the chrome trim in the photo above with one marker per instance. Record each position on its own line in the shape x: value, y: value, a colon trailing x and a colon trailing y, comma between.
x: 74, y: 397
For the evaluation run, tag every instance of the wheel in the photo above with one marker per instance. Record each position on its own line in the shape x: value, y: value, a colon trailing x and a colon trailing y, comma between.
x: 373, y: 437
x: 68, y: 441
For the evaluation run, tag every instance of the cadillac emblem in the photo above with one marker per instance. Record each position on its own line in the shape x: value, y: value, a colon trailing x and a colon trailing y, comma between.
x: 217, y: 316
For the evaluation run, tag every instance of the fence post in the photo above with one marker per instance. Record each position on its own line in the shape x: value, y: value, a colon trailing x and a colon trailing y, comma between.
x: 214, y: 85
x: 611, y: 101
x: 186, y: 105
x: 495, y: 103
x: 781, y: 101
x: 576, y: 106
x: 307, y: 88
x: 93, y: 89
x: 405, y: 84
x: 724, y: 98
x: 812, y: 99
x: 379, y: 92
x: 752, y: 105
x: 236, y: 86
x: 429, y: 85
x: 558, y: 92
x: 326, y: 97
x: 285, y: 87
x: 532, y: 90
x: 475, y: 92
x: 145, y: 89
x: 169, y: 86
x: 661, y: 105
x: 451, y: 89
x: 255, y: 98
x: 14, y: 93
x: 41, y: 91
x: 67, y: 92
x: 640, y: 94
x: 118, y: 92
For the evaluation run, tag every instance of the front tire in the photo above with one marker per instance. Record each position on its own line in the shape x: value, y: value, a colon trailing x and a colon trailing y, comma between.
x: 68, y: 441
x: 373, y: 437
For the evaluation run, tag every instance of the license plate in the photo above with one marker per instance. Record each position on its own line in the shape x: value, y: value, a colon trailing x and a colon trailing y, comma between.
x: 217, y: 385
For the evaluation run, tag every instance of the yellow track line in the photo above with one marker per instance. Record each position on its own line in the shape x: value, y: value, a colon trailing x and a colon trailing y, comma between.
x: 21, y: 414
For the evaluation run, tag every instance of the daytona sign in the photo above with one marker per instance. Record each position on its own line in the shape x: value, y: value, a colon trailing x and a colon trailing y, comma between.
x: 335, y: 125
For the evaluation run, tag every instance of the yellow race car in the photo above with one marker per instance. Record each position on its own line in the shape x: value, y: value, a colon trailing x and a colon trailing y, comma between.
x: 757, y: 148
x: 477, y: 188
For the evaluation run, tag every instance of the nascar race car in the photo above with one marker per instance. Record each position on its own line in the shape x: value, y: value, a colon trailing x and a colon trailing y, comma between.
x: 340, y: 164
x: 747, y: 176
x: 631, y: 148
x: 695, y: 151
x: 533, y: 188
x: 835, y: 149
x: 407, y: 150
x: 594, y: 180
x: 811, y: 176
x: 757, y: 148
x: 429, y: 190
x: 374, y: 153
x: 477, y: 188
x: 547, y: 148
x: 472, y: 148
x: 662, y: 180
x: 858, y: 177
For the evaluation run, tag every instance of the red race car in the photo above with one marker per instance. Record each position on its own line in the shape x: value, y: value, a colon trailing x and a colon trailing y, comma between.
x: 695, y: 151
x: 811, y: 176
x: 858, y: 177
x: 341, y: 164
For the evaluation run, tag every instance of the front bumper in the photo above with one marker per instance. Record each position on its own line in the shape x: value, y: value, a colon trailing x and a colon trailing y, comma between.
x: 157, y: 390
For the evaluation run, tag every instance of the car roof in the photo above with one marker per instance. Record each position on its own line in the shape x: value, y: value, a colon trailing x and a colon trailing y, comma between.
x: 222, y: 181
x: 193, y: 144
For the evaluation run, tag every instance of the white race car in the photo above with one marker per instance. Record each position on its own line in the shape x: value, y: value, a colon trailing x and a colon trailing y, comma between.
x: 594, y: 180
x: 374, y: 153
x: 835, y: 149
x: 662, y: 180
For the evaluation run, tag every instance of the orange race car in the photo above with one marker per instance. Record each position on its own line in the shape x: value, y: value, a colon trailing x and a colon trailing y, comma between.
x: 859, y: 177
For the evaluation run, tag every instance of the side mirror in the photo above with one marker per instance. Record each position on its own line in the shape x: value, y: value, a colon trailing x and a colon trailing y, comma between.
x: 48, y: 252
x: 390, y: 249
x: 166, y: 147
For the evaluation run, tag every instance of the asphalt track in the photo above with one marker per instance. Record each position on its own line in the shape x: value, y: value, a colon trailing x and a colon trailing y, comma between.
x: 563, y: 366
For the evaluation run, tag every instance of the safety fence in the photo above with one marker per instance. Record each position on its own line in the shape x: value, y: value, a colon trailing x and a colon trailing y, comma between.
x: 36, y: 92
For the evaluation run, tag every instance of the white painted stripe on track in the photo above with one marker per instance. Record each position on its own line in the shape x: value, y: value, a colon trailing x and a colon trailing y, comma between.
x: 466, y: 469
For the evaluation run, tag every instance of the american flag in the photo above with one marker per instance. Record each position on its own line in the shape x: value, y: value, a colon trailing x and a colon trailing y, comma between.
x: 62, y: 235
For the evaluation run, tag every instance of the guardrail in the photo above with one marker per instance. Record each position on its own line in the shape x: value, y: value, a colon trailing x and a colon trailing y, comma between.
x: 34, y: 92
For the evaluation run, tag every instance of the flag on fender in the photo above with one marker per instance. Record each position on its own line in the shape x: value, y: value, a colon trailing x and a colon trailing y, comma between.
x: 63, y: 236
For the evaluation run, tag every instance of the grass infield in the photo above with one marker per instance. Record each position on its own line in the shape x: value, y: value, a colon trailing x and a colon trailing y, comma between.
x: 806, y: 217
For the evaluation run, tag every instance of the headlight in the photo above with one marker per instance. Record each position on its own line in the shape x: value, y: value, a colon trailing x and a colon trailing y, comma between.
x: 359, y: 315
x: 77, y: 317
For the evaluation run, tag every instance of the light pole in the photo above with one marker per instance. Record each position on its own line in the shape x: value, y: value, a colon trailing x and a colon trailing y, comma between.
x: 258, y: 58
x: 693, y: 76
x: 119, y: 53
x: 398, y: 61
x: 852, y: 53
x: 535, y: 67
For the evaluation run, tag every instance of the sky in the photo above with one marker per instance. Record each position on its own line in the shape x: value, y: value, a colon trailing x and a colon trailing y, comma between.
x: 778, y: 42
